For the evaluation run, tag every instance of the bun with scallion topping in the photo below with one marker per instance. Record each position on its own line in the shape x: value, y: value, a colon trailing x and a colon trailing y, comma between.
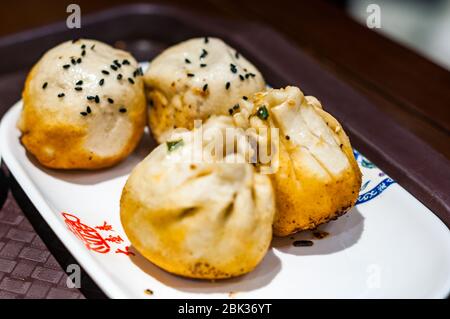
x: 209, y: 218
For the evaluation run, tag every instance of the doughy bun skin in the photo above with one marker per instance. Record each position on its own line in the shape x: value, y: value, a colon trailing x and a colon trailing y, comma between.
x: 318, y: 178
x: 198, y: 220
x: 76, y: 117
x: 196, y: 79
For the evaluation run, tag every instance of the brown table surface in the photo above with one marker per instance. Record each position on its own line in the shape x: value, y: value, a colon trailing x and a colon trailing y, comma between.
x: 412, y: 90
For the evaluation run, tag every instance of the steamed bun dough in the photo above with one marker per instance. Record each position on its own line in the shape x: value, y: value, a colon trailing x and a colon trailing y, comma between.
x: 194, y: 80
x: 83, y: 106
x: 208, y: 219
x: 316, y: 177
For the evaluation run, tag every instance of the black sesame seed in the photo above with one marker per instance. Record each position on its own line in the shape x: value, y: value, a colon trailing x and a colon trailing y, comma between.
x: 231, y: 111
x: 236, y: 107
x: 204, y: 54
x: 202, y: 65
x: 93, y: 47
x: 61, y: 95
x: 110, y: 100
x: 79, y: 60
x: 79, y: 83
x: 150, y: 102
x: 247, y: 76
x: 288, y: 137
x: 245, y: 98
x: 125, y: 62
x: 190, y: 75
x: 131, y: 80
x: 73, y: 61
x: 112, y: 66
x: 302, y: 243
x: 233, y: 68
x: 88, y: 109
x: 90, y: 97
x: 227, y: 85
x: 101, y: 82
x: 140, y: 71
x: 77, y: 88
x: 97, y: 99
x: 117, y: 63
x: 206, y: 39
x: 122, y: 110
x: 83, y: 113
x: 187, y: 60
x: 83, y: 53
x: 252, y: 75
x: 205, y: 87
x: 241, y: 77
x: 119, y: 76
x: 44, y: 85
x: 66, y: 66
x: 105, y: 72
x: 83, y: 46
x: 236, y: 55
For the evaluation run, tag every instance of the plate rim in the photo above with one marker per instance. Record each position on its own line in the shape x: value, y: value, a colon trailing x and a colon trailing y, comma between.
x: 82, y: 256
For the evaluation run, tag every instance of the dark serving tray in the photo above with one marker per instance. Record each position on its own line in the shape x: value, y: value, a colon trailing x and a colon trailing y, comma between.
x: 145, y: 30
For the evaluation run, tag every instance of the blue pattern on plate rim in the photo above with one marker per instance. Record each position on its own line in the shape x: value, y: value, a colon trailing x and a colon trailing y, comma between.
x: 374, y: 179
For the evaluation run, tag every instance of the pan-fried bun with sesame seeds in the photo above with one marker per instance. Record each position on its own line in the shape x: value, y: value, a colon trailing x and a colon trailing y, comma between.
x: 83, y: 106
x: 314, y: 172
x: 195, y: 79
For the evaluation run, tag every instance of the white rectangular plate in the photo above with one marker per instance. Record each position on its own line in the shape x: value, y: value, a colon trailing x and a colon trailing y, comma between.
x: 389, y: 245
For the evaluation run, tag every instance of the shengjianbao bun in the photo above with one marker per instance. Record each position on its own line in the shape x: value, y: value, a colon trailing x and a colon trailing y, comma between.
x: 315, y: 174
x: 83, y: 106
x: 205, y: 219
x: 194, y: 80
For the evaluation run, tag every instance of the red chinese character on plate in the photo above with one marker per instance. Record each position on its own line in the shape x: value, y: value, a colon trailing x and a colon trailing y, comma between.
x: 126, y: 251
x: 114, y: 239
x: 105, y: 227
x: 88, y: 235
